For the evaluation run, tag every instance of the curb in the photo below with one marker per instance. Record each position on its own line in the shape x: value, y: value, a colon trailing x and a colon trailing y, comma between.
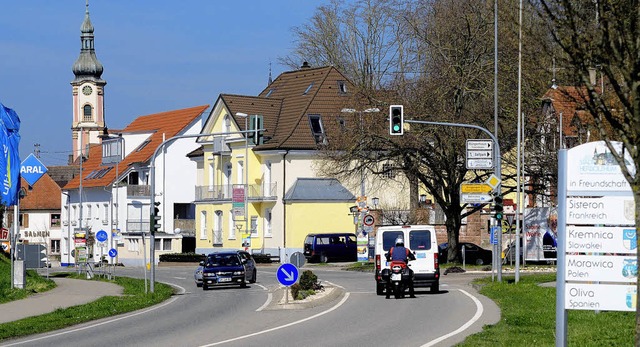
x: 331, y: 293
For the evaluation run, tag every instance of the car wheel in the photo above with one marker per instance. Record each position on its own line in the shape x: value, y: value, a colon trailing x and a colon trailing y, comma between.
x: 435, y: 287
x: 323, y: 258
x: 379, y: 289
x: 204, y: 287
x: 243, y: 284
x: 254, y: 278
x: 479, y: 261
x: 198, y: 284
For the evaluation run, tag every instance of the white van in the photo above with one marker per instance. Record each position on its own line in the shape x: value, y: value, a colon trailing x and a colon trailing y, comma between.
x: 421, y: 241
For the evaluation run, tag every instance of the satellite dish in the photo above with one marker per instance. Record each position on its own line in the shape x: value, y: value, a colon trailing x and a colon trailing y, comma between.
x: 177, y: 231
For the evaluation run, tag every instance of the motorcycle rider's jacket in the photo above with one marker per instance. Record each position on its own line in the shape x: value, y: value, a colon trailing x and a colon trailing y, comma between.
x: 401, y: 253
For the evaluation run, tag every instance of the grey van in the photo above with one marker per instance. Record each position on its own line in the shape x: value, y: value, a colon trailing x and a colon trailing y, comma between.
x: 330, y: 247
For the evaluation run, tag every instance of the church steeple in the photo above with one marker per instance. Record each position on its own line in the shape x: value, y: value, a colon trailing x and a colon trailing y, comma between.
x: 87, y: 66
x: 88, y: 93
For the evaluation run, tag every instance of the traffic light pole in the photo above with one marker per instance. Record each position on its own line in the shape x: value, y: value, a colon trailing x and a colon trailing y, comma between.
x: 152, y: 191
x: 497, y: 170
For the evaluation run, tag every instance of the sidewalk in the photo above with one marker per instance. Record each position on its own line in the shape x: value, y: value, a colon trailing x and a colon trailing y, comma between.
x: 69, y: 292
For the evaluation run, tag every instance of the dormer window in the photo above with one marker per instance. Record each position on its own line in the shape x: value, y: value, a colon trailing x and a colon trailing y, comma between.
x: 227, y: 124
x: 342, y: 87
x: 87, y: 113
x: 269, y: 92
x: 315, y: 122
x: 308, y: 89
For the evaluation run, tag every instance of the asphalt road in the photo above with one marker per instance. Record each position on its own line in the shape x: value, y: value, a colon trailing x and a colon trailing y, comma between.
x: 231, y: 316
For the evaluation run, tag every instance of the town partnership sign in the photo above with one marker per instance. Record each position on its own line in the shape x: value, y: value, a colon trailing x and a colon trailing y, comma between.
x: 597, y: 253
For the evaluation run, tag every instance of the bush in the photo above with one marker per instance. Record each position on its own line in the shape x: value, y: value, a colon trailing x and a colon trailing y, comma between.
x: 182, y: 257
x: 308, y: 280
x: 295, y: 288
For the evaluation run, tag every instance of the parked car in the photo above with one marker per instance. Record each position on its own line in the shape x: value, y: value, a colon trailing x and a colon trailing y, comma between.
x: 330, y: 247
x: 227, y: 268
x: 473, y: 254
x: 197, y: 275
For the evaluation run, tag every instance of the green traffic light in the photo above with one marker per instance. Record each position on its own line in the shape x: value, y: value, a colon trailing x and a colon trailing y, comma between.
x: 396, y: 127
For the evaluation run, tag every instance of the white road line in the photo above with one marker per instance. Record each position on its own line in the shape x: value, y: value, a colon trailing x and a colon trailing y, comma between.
x: 97, y: 324
x: 479, y: 310
x: 344, y: 299
x: 266, y: 303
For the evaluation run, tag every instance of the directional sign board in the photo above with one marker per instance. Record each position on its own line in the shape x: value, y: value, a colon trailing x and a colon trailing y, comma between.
x: 287, y: 274
x: 32, y: 169
x: 479, y: 154
x: 113, y: 252
x: 102, y: 236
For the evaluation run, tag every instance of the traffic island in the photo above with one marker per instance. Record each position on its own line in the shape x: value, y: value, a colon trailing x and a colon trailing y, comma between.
x: 321, y: 297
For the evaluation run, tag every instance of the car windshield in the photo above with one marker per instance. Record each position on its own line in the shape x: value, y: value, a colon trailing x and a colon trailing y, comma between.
x: 214, y: 260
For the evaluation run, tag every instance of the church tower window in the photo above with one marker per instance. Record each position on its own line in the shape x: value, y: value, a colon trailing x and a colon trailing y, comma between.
x: 88, y: 113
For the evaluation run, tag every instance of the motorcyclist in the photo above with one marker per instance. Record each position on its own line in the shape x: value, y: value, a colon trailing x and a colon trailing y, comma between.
x: 401, y: 253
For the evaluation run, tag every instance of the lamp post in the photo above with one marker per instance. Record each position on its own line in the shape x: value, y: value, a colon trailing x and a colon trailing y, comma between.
x: 68, y: 227
x: 376, y: 201
x: 116, y: 158
x: 246, y: 171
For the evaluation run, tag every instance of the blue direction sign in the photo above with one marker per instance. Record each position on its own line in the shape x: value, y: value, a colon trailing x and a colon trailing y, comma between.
x: 287, y: 274
x: 32, y: 169
x: 102, y: 236
x: 113, y: 252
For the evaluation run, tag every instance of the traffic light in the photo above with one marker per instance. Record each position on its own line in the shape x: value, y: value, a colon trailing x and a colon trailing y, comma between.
x: 498, y: 208
x: 155, y: 217
x: 396, y: 120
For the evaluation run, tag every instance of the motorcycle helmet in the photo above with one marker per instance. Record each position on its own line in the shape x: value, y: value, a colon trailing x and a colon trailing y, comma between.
x: 400, y: 241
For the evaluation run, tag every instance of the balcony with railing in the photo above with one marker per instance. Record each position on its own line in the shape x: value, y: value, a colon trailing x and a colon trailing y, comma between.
x: 138, y: 190
x: 138, y: 225
x: 224, y: 192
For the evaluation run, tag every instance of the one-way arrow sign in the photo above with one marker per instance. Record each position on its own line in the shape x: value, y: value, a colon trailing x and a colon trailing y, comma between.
x: 287, y: 274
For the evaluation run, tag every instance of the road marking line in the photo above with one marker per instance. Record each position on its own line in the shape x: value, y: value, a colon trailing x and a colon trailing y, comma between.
x: 266, y: 303
x: 479, y: 310
x: 97, y: 324
x: 344, y: 299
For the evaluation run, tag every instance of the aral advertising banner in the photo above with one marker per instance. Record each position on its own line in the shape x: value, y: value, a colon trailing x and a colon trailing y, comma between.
x: 592, y: 167
x: 540, y: 228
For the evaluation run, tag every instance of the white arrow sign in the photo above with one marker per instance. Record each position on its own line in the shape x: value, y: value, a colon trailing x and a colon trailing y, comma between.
x: 290, y: 276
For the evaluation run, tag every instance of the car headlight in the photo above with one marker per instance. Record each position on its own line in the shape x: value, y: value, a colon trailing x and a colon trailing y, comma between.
x: 237, y: 273
x: 209, y: 274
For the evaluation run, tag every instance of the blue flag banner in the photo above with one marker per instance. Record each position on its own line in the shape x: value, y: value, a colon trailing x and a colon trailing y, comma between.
x: 9, y: 156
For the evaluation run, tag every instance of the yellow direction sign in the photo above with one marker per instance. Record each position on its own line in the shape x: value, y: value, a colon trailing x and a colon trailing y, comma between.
x: 475, y: 188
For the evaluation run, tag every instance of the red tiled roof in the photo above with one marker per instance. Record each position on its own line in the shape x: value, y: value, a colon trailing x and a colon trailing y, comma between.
x: 569, y: 101
x: 169, y: 123
x: 44, y: 195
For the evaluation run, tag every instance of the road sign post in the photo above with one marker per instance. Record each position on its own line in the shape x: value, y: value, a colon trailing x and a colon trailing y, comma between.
x: 287, y: 275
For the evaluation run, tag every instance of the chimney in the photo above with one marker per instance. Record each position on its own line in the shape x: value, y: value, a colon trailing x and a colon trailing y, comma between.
x: 305, y: 65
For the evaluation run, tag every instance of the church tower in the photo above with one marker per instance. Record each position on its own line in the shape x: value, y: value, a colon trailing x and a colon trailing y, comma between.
x: 88, y: 93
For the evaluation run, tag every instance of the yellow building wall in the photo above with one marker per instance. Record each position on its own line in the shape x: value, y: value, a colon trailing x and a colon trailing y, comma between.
x: 307, y: 217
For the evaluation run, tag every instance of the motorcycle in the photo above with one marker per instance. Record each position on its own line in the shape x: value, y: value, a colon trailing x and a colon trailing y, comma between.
x: 398, y: 278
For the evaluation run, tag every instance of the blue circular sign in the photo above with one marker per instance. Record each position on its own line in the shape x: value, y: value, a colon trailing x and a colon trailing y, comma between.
x: 102, y: 236
x: 287, y: 274
x: 113, y: 252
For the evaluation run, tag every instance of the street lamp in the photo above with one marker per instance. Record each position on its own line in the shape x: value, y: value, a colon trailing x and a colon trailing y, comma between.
x: 375, y: 203
x: 423, y: 200
x: 246, y: 170
x: 68, y: 227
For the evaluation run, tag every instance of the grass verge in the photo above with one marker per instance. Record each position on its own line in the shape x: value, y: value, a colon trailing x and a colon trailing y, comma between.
x: 34, y: 283
x: 134, y: 299
x: 528, y: 318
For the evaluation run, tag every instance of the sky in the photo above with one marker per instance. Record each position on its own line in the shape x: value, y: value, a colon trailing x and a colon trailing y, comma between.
x: 157, y: 55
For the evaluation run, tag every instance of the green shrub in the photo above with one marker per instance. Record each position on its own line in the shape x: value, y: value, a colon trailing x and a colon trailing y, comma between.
x: 182, y: 257
x: 308, y: 280
x: 295, y: 288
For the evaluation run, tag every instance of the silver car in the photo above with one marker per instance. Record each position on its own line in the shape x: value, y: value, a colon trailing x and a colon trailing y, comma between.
x: 197, y: 275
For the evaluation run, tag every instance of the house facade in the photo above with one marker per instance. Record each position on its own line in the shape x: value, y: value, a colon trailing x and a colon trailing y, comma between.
x: 285, y: 191
x: 113, y: 192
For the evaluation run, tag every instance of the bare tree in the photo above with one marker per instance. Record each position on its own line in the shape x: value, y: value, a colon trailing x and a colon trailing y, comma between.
x: 437, y: 57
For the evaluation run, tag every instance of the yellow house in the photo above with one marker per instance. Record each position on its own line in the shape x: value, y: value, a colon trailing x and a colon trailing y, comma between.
x: 266, y: 194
